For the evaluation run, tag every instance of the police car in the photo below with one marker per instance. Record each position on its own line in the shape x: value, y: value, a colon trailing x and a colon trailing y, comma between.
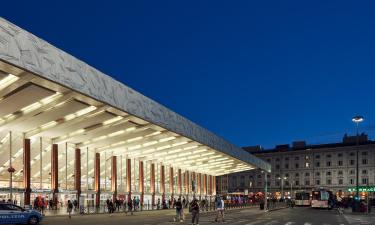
x: 13, y: 214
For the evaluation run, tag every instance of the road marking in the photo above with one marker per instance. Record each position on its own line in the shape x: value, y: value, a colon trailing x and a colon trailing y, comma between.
x: 272, y: 222
x: 255, y: 222
x: 307, y: 223
x: 289, y: 223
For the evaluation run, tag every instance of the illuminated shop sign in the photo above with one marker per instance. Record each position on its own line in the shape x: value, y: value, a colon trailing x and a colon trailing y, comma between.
x: 362, y: 189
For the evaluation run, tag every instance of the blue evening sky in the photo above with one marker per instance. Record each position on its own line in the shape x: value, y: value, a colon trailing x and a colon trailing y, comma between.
x: 253, y: 72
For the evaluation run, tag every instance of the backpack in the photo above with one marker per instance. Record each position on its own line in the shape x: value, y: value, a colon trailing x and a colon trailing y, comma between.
x: 219, y: 205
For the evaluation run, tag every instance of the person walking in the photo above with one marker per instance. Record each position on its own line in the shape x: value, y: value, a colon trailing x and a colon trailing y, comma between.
x: 195, y: 212
x: 111, y: 207
x: 179, y: 211
x: 219, y: 204
x: 70, y: 208
x: 130, y: 206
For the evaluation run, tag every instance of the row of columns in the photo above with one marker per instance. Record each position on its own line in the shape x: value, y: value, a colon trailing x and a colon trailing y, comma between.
x: 211, y: 185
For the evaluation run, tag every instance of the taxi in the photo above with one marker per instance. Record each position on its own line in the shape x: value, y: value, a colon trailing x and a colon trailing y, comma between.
x: 13, y: 214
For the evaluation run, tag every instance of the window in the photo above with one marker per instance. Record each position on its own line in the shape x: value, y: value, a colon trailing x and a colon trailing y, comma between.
x: 341, y: 181
x: 339, y: 154
x: 364, y: 161
x: 364, y: 153
x: 296, y: 158
x: 340, y: 163
x: 286, y: 183
x: 329, y: 182
x: 364, y: 172
x: 251, y: 177
x: 317, y: 164
x: 307, y: 182
x: 286, y: 158
x: 328, y: 155
x: 286, y: 166
x: 317, y: 156
x: 340, y: 172
x: 259, y: 176
x: 352, y: 154
x: 296, y: 175
x: 328, y: 173
x: 307, y: 165
x: 268, y: 160
x: 296, y: 182
x: 364, y: 180
x: 277, y: 183
x: 297, y: 165
x: 277, y: 166
x: 317, y: 174
x: 287, y: 175
x: 351, y: 162
x: 307, y: 174
x: 351, y: 181
x: 259, y: 184
x: 329, y: 163
x: 277, y: 159
x: 351, y: 172
x: 317, y: 182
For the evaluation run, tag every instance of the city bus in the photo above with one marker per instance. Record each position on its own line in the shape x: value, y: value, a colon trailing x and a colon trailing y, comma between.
x: 302, y: 198
x: 321, y: 198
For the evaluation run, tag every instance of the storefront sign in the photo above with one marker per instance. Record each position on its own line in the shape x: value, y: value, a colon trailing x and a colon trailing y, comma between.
x: 362, y: 189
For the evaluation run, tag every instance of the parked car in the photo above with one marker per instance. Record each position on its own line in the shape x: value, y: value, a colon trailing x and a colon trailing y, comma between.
x: 13, y: 214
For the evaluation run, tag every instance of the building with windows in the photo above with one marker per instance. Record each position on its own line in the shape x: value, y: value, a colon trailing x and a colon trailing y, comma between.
x: 305, y: 167
x: 68, y: 131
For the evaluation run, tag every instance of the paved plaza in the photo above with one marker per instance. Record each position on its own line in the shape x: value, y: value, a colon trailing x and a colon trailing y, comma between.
x: 252, y: 216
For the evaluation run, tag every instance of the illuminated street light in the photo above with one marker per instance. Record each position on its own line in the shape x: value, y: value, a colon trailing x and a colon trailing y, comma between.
x: 357, y: 120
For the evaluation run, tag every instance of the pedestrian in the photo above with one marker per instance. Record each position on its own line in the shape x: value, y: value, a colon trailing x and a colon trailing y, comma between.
x: 130, y: 206
x: 70, y: 208
x: 194, y: 212
x: 219, y: 204
x: 158, y: 204
x: 111, y: 208
x: 179, y: 211
x: 75, y: 204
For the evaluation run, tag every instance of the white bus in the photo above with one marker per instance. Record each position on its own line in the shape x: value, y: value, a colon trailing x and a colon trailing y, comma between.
x: 320, y: 198
x: 303, y: 198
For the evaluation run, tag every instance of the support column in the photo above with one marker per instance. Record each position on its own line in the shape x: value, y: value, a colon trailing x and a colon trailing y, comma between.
x: 209, y: 185
x: 141, y: 183
x: 97, y: 179
x: 194, y: 183
x: 187, y: 185
x: 171, y: 182
x: 205, y: 184
x: 54, y: 173
x: 162, y: 182
x: 179, y: 182
x: 213, y: 185
x: 129, y: 178
x: 77, y: 173
x: 114, y: 177
x: 199, y: 183
x: 152, y: 185
x: 26, y: 170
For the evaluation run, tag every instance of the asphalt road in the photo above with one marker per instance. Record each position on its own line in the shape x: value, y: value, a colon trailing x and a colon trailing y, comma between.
x: 296, y: 216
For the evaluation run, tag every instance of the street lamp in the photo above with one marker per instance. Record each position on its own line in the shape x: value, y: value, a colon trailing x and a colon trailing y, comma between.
x: 357, y: 120
x: 282, y: 186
